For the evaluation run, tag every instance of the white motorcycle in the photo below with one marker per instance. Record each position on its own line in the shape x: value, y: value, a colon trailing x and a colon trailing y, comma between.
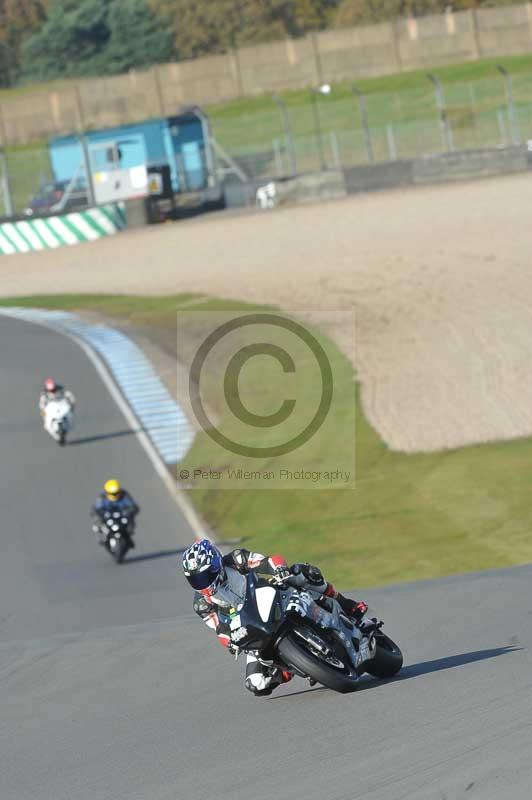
x: 59, y: 419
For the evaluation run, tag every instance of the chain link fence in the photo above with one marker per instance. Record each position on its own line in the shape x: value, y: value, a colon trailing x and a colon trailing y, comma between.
x: 323, y: 129
x: 25, y: 178
x: 25, y: 173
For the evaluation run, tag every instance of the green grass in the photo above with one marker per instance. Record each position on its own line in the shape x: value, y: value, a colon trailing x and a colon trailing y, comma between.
x: 28, y: 166
x: 409, y: 516
x: 386, y: 84
x: 23, y: 89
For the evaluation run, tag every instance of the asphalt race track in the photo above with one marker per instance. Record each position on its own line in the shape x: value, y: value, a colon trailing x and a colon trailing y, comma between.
x: 54, y: 578
x: 110, y: 688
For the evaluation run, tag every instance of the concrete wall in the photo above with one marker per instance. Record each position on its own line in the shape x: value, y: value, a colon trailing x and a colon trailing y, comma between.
x: 444, y: 168
x: 433, y: 40
x: 330, y: 56
x: 469, y: 164
x: 504, y: 33
x: 361, y: 52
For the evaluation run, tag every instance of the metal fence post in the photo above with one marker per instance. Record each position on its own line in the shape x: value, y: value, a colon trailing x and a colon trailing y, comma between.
x: 6, y: 187
x: 508, y: 89
x: 317, y: 127
x: 289, y: 139
x: 276, y: 145
x: 446, y: 133
x: 314, y: 93
x: 87, y: 165
x: 392, y: 149
x: 365, y: 125
x: 210, y: 157
x: 5, y: 182
x: 502, y: 128
x: 474, y: 114
x: 84, y: 147
x: 335, y: 149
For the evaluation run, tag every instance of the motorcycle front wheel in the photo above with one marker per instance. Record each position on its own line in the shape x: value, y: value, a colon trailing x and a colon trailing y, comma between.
x: 335, y: 673
x: 119, y: 552
x: 388, y: 658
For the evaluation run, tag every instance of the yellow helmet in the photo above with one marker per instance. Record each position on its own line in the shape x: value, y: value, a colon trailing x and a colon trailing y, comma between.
x: 112, y: 489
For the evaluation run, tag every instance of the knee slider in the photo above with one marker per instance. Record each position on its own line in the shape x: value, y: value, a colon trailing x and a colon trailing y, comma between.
x: 252, y: 687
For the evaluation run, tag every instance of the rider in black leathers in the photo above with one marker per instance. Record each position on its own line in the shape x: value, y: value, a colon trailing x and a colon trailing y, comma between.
x: 114, y: 498
x: 260, y: 679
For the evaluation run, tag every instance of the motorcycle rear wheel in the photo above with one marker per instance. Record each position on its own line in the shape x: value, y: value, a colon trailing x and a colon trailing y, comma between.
x: 292, y: 650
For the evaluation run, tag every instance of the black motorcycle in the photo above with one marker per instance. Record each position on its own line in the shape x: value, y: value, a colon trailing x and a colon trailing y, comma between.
x: 116, y: 531
x: 288, y: 628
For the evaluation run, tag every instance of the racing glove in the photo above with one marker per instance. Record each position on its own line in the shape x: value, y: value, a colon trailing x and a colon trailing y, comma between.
x: 281, y: 574
x: 234, y: 649
x: 312, y: 574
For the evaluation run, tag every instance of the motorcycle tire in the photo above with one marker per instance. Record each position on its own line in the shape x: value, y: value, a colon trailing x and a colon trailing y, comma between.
x: 62, y: 439
x: 388, y: 658
x: 120, y: 553
x: 295, y: 654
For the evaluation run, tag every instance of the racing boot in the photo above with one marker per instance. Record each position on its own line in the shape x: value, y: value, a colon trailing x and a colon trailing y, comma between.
x: 351, y: 608
x: 354, y: 610
x: 262, y: 679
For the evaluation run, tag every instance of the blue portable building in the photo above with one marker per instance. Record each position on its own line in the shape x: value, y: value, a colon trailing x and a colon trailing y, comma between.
x: 121, y: 159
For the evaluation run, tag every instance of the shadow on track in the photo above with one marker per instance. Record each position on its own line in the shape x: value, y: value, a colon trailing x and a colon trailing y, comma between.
x: 309, y: 690
x: 101, y: 437
x: 439, y: 664
x: 152, y: 556
x: 415, y: 670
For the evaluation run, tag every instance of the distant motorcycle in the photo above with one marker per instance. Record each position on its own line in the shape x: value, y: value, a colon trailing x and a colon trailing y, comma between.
x: 288, y: 628
x: 116, y: 533
x: 59, y: 419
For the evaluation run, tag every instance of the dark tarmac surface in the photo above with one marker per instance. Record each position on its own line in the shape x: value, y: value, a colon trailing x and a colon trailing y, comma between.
x: 111, y: 688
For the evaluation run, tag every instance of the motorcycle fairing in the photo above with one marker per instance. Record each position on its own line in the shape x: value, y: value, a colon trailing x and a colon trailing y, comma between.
x: 253, y: 630
x: 259, y: 628
x: 58, y: 415
x: 333, y: 621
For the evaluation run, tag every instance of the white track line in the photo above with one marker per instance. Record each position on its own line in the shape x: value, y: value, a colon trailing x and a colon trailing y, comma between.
x: 185, y: 506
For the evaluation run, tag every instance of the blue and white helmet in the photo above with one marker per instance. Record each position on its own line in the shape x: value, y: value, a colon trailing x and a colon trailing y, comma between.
x: 203, y: 566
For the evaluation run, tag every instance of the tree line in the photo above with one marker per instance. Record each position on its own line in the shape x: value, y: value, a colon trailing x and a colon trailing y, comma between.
x: 45, y: 39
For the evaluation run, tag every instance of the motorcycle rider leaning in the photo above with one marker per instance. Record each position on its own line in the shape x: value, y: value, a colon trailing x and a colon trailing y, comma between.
x: 210, y: 574
x: 114, y: 498
x: 54, y: 391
